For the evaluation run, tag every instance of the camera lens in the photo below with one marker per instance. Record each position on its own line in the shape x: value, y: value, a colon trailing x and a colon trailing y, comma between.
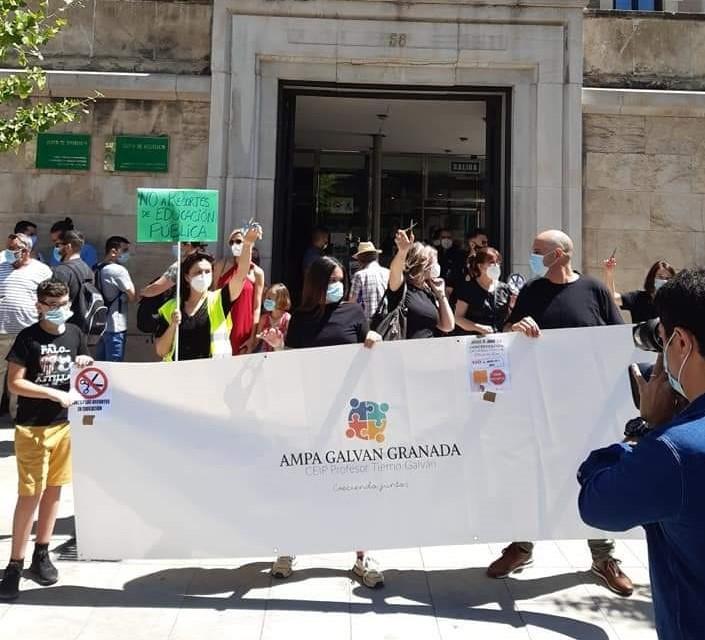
x: 647, y: 337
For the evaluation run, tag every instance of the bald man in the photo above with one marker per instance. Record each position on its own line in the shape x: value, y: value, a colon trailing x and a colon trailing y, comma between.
x: 560, y: 298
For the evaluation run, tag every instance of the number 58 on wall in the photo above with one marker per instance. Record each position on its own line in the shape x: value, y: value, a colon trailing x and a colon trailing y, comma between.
x: 396, y: 40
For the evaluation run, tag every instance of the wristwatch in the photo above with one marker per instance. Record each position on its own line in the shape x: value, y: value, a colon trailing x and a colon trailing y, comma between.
x: 636, y: 428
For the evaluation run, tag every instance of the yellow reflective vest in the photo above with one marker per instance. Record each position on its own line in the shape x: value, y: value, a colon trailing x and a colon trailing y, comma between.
x: 221, y: 325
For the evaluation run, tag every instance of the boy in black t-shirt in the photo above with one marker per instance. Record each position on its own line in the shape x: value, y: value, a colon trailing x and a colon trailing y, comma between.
x: 39, y: 373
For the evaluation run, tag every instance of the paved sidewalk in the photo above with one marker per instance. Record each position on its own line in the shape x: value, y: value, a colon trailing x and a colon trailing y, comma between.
x: 431, y: 594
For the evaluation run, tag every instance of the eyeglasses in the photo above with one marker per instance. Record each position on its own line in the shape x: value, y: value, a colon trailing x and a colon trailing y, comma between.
x: 236, y: 241
x: 54, y: 305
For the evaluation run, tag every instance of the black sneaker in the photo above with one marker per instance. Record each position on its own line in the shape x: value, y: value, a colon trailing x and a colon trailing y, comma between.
x: 10, y: 585
x: 42, y: 570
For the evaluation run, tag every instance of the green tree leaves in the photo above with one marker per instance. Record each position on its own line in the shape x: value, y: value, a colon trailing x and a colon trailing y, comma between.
x: 25, y: 27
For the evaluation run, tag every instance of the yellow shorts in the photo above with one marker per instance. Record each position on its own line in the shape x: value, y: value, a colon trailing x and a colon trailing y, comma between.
x: 43, y: 457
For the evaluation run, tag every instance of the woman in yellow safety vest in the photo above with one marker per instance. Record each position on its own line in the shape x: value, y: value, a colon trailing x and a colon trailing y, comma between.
x: 203, y: 321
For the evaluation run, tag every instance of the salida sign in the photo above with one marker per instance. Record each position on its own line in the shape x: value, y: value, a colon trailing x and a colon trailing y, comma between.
x: 177, y: 215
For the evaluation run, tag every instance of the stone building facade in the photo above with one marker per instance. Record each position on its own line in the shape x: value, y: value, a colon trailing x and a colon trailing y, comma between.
x: 604, y: 130
x: 643, y: 141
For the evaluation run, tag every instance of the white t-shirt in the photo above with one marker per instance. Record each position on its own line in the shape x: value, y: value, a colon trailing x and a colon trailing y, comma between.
x: 18, y: 295
x: 115, y: 281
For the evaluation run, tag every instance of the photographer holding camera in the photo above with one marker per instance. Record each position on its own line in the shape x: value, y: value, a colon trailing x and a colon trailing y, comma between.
x: 657, y: 479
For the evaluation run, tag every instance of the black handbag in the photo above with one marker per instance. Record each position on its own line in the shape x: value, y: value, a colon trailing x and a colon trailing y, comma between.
x: 391, y: 325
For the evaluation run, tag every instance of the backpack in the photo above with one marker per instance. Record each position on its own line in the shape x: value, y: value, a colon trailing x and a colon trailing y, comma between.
x: 148, y: 310
x: 391, y: 325
x: 89, y: 306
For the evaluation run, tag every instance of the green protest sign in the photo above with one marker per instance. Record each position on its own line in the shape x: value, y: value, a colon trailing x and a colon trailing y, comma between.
x: 177, y: 215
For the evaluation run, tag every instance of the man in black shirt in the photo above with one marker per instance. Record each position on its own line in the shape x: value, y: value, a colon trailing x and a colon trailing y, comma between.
x: 72, y: 270
x: 39, y: 373
x: 560, y: 298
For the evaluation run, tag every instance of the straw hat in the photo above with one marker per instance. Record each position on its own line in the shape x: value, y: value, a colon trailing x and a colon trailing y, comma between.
x: 365, y: 247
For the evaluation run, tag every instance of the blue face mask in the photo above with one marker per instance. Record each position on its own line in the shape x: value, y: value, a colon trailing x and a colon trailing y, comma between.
x: 538, y: 268
x: 58, y: 317
x: 34, y: 241
x: 123, y: 257
x: 175, y: 250
x: 9, y: 256
x: 674, y: 382
x: 269, y: 305
x: 334, y: 293
x: 57, y: 254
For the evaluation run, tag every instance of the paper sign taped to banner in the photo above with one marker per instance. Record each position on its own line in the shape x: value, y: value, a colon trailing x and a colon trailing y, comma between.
x: 489, y: 364
x: 91, y: 390
x: 390, y: 434
x: 177, y: 215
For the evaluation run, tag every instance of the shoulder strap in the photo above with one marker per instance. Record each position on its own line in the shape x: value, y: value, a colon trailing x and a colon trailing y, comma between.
x: 99, y: 285
x: 75, y: 272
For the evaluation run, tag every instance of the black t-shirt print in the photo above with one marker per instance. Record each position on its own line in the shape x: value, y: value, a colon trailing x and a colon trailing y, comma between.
x: 47, y: 360
x: 586, y: 302
x: 640, y: 304
x: 340, y: 323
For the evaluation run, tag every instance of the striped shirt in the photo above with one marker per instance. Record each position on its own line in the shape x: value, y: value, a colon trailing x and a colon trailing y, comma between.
x: 18, y: 295
x: 368, y: 287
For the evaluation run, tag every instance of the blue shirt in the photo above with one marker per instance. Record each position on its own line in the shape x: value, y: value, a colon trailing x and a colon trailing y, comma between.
x: 660, y: 485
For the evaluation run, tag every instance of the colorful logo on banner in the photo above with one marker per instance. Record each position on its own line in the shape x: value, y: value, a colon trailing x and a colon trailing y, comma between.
x: 367, y: 420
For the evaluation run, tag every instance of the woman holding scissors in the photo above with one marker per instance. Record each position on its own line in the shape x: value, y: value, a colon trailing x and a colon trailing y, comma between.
x: 246, y: 308
x: 640, y: 303
x: 415, y: 281
x: 203, y: 317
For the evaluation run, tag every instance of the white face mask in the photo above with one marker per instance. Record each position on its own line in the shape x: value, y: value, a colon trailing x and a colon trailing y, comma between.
x: 202, y: 282
x: 435, y: 271
x: 58, y: 316
x: 494, y: 271
x: 236, y: 249
x: 446, y: 243
x: 659, y: 282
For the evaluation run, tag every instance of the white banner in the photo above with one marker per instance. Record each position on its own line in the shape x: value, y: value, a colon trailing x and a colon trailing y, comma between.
x: 425, y: 442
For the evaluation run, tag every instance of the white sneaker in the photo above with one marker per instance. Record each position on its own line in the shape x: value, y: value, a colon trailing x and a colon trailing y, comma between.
x: 283, y: 567
x: 368, y: 571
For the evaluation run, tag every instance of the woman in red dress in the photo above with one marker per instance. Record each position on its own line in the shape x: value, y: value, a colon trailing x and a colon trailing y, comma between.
x: 245, y: 312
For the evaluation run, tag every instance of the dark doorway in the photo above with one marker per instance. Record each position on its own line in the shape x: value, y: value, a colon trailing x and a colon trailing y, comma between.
x: 361, y: 160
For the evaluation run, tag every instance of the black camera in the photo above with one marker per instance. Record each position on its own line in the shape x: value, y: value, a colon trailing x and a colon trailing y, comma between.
x: 647, y: 337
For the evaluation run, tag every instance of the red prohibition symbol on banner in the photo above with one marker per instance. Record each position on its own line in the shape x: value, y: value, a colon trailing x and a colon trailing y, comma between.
x: 497, y: 377
x: 91, y: 383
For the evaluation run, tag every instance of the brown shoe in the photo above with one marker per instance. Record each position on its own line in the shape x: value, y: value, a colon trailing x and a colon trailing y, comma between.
x: 513, y: 559
x: 614, y: 578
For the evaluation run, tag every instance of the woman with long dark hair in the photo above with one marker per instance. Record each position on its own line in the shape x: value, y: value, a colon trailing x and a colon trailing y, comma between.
x: 203, y: 319
x: 484, y: 302
x: 325, y: 319
x: 640, y: 303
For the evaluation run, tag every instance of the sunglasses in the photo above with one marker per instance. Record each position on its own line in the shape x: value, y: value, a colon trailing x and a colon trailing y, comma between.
x: 237, y: 241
